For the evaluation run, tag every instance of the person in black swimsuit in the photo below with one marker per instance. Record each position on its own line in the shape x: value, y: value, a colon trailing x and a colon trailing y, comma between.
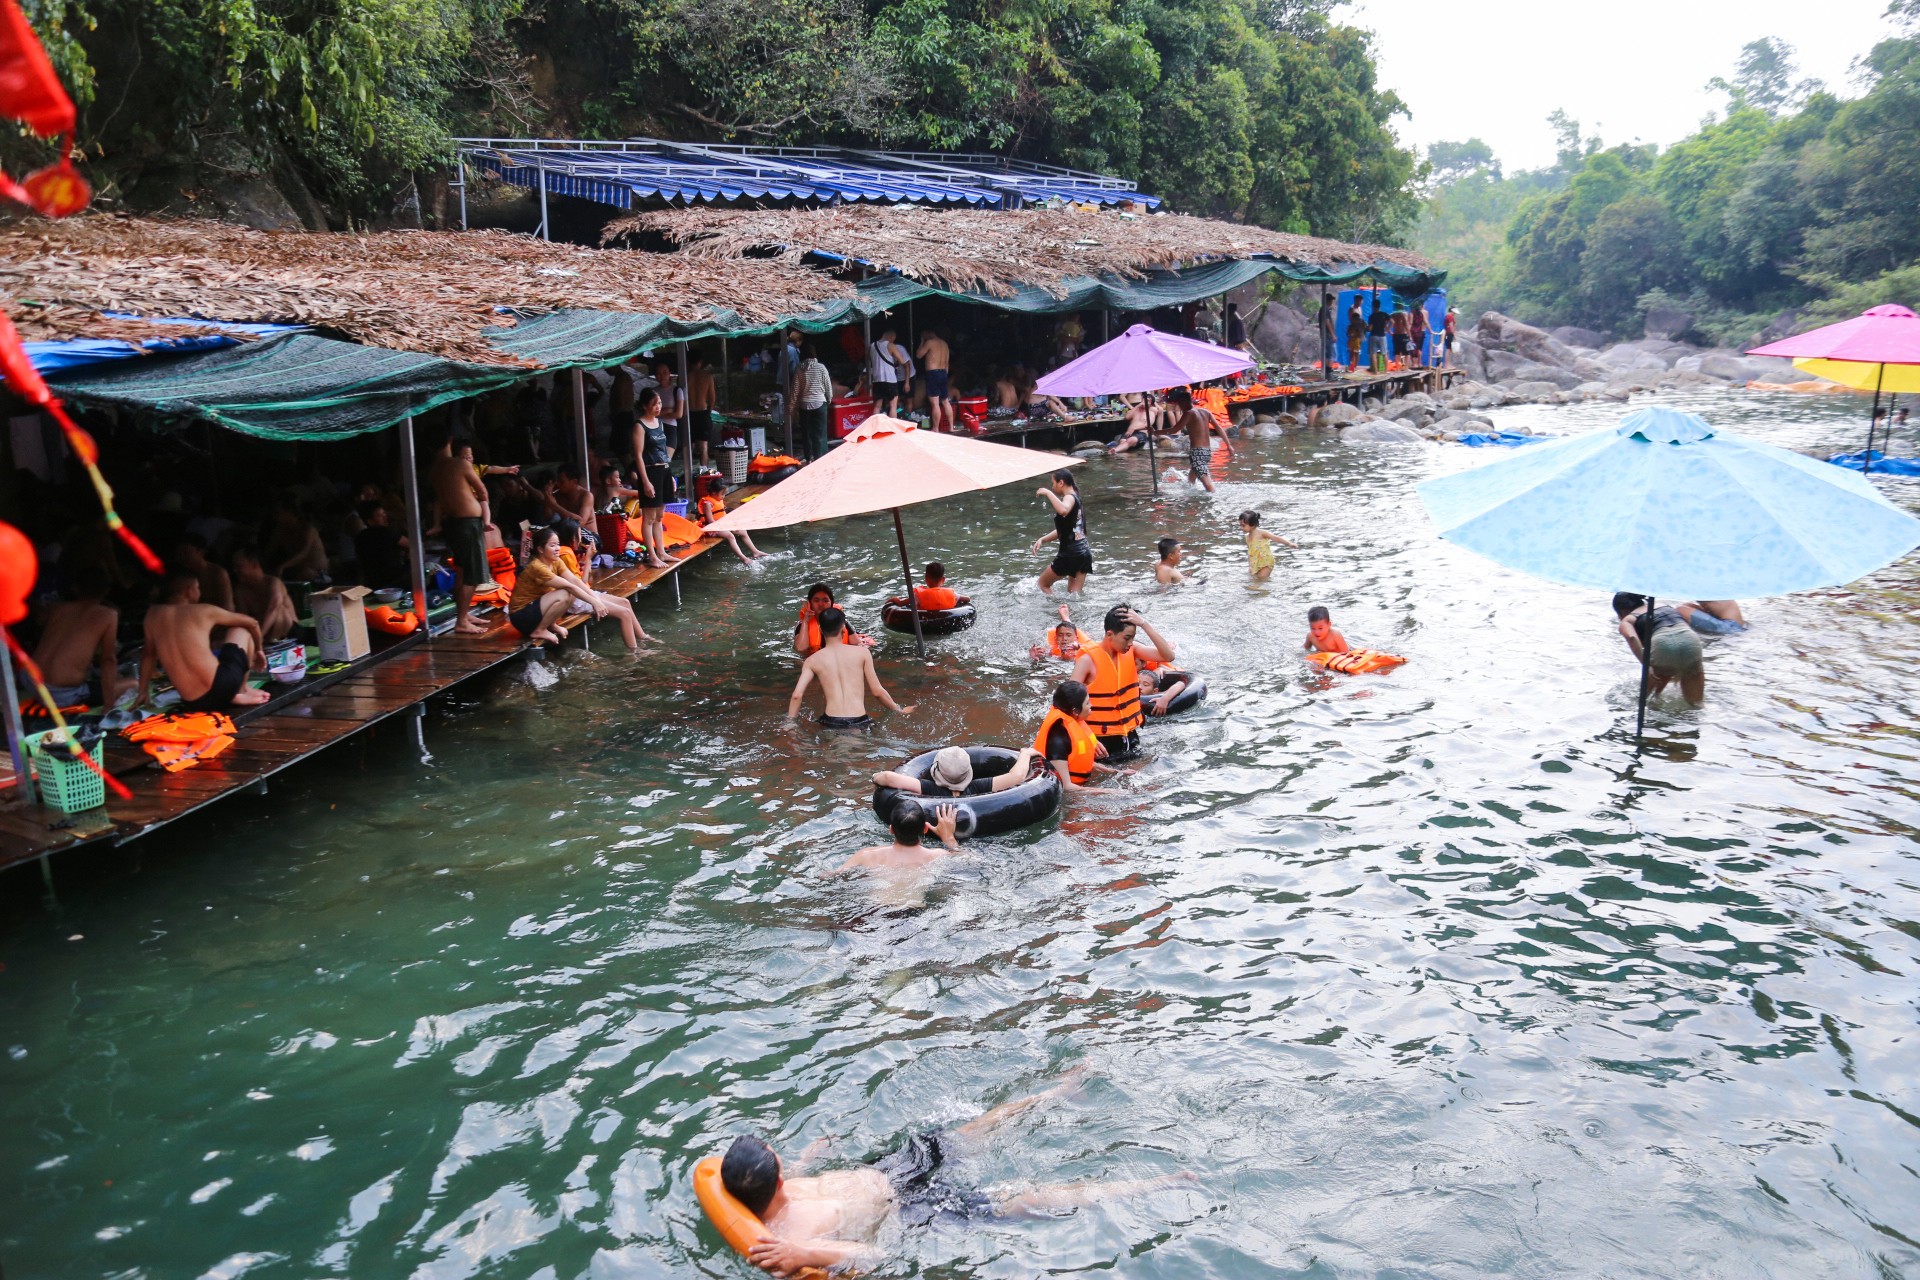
x: 1074, y: 559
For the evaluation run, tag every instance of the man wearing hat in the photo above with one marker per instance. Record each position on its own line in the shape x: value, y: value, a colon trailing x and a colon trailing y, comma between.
x: 952, y: 775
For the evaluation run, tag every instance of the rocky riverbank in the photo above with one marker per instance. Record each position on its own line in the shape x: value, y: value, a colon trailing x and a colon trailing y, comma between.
x: 1507, y: 362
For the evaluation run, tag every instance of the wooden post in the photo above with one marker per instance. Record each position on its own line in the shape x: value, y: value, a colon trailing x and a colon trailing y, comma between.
x: 416, y: 540
x: 580, y: 425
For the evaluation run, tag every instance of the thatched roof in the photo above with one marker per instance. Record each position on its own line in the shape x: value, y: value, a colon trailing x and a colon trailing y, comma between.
x: 992, y: 252
x: 426, y: 291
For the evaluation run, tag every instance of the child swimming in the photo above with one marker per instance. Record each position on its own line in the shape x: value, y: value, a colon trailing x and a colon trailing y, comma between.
x: 1167, y: 572
x: 1260, y: 545
x: 1321, y: 637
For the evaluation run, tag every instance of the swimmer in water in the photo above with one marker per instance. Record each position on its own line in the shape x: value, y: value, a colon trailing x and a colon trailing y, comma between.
x: 952, y: 775
x: 1167, y: 572
x: 1260, y: 545
x: 1064, y: 641
x: 909, y: 826
x: 1321, y: 637
x: 846, y: 675
x: 834, y: 1218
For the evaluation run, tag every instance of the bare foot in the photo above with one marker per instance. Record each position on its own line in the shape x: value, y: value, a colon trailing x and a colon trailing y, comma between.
x: 468, y: 627
x: 251, y: 697
x: 544, y: 636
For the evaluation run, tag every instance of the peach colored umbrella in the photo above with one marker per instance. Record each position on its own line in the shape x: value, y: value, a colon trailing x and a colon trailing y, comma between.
x: 886, y: 464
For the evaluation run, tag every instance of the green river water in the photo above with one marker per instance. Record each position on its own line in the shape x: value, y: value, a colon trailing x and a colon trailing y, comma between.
x: 1422, y: 974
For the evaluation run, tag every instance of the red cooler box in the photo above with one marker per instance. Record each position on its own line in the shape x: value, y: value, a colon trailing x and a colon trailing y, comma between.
x: 848, y: 414
x: 975, y: 405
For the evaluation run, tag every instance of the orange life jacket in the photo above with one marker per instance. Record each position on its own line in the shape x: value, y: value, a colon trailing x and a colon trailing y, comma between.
x: 813, y: 630
x: 936, y: 597
x: 501, y: 568
x: 175, y: 756
x: 1113, y: 695
x: 773, y: 462
x: 1214, y: 401
x: 1080, y: 759
x: 711, y: 509
x: 495, y: 592
x: 1357, y: 662
x: 185, y: 726
x: 1053, y: 641
x: 390, y: 620
x: 680, y: 531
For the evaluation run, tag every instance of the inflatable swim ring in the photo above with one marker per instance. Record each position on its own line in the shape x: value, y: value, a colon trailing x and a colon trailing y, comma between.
x: 989, y: 813
x: 1357, y: 662
x: 392, y: 621
x: 897, y: 615
x: 735, y: 1223
x: 1188, y: 698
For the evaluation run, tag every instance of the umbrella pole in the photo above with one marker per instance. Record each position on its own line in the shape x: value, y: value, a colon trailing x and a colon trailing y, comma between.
x: 1644, y: 627
x: 1153, y: 465
x: 913, y: 601
x: 1866, y: 460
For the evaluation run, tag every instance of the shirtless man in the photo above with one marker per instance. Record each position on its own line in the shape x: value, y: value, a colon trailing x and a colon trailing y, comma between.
x: 846, y: 675
x: 190, y: 553
x: 465, y: 518
x: 908, y: 852
x: 701, y: 401
x: 567, y: 499
x: 833, y: 1218
x: 1167, y: 572
x: 261, y: 596
x: 1200, y: 429
x: 180, y: 631
x: 80, y: 631
x: 935, y: 363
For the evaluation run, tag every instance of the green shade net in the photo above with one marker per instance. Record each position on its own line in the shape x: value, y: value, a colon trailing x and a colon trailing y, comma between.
x: 304, y: 387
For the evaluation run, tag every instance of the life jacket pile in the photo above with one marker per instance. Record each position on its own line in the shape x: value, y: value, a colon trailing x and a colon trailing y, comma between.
x: 183, y: 740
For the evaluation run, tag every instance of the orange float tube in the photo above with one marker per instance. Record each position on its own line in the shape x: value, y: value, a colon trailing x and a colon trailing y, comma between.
x: 392, y: 621
x: 735, y: 1223
x: 1358, y: 662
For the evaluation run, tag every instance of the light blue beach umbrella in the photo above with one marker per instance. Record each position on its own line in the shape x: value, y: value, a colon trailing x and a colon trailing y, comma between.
x: 1665, y: 507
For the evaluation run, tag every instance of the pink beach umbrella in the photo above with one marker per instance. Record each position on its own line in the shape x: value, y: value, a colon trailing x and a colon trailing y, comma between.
x: 1876, y: 351
x: 886, y: 464
x: 1143, y: 359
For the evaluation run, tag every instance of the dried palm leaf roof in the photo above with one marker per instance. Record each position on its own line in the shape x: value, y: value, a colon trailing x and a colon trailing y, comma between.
x: 426, y: 291
x: 993, y: 252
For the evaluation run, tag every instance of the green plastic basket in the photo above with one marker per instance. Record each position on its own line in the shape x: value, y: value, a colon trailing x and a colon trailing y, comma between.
x: 65, y: 784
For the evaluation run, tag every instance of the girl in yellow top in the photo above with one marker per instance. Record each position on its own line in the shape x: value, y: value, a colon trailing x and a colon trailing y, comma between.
x: 543, y: 588
x: 1260, y: 545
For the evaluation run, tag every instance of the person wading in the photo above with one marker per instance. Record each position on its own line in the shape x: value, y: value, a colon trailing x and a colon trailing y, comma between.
x: 1073, y: 560
x: 1111, y: 672
x: 846, y: 676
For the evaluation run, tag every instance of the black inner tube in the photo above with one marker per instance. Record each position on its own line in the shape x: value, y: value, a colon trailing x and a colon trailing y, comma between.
x: 982, y: 813
x: 897, y: 615
x: 1192, y: 696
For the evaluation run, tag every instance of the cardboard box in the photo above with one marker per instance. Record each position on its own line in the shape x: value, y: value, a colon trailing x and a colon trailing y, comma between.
x: 340, y: 621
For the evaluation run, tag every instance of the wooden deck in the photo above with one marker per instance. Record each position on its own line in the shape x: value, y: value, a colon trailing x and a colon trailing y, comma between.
x: 271, y: 738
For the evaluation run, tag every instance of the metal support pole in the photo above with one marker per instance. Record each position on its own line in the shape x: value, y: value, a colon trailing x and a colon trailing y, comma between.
x: 1326, y: 338
x: 1153, y: 463
x: 16, y: 729
x: 416, y: 540
x: 1866, y: 459
x: 726, y: 373
x: 1644, y: 629
x: 913, y: 601
x: 675, y: 575
x: 1106, y: 325
x: 686, y: 432
x: 580, y: 425
x: 419, y: 714
x: 541, y: 171
x: 460, y: 185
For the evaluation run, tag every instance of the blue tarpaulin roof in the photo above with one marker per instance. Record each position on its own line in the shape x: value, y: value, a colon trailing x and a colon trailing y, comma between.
x: 75, y: 353
x: 624, y: 173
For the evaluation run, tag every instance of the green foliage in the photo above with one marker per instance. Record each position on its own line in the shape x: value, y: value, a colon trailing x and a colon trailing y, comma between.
x: 1780, y: 203
x: 1266, y: 110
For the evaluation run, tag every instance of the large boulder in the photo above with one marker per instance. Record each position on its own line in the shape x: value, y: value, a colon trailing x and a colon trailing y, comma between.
x: 1338, y: 414
x: 1590, y: 369
x: 1380, y: 433
x: 1574, y: 336
x: 1497, y: 332
x: 1668, y: 322
x: 1471, y: 357
x: 1535, y: 391
x: 1285, y: 335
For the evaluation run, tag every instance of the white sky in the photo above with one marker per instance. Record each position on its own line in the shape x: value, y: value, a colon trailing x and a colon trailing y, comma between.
x: 1628, y: 70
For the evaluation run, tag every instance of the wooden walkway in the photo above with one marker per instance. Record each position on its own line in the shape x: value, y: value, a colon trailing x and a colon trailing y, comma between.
x: 270, y: 739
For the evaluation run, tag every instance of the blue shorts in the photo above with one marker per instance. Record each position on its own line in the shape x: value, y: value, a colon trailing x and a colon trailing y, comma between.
x: 1708, y: 625
x: 936, y: 384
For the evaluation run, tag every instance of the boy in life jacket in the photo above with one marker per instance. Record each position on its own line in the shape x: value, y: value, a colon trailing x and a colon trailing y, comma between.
x: 936, y: 595
x: 1065, y: 738
x: 1111, y: 672
x: 1063, y: 641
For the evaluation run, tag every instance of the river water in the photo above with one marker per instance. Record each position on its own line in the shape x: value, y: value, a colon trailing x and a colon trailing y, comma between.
x: 1423, y: 974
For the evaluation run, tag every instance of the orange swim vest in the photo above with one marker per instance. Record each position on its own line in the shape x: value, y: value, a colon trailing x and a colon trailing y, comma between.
x: 1080, y: 759
x: 813, y: 630
x: 390, y: 620
x: 733, y: 1220
x: 1053, y: 641
x: 186, y: 726
x: 1113, y: 695
x: 936, y: 598
x: 1357, y: 662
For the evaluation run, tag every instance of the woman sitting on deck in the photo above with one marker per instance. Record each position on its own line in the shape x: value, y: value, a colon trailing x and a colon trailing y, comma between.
x: 545, y: 587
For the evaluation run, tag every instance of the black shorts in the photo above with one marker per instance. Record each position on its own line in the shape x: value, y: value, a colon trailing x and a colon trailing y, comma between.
x: 936, y: 384
x: 885, y: 391
x: 1072, y: 560
x: 467, y: 544
x: 229, y: 678
x: 846, y: 722
x: 923, y: 1195
x: 661, y: 478
x: 1120, y: 746
x: 700, y: 421
x: 526, y: 619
